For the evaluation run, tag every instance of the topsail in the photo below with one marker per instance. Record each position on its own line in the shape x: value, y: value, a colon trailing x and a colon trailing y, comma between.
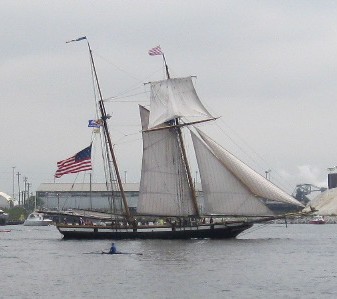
x: 175, y: 98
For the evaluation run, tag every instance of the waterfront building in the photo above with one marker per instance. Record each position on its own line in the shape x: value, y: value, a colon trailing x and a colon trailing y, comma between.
x: 64, y: 196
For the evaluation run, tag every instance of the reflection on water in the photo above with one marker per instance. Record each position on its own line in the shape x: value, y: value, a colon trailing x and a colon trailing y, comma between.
x: 267, y: 261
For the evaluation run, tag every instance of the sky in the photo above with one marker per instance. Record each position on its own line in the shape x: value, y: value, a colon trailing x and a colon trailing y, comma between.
x: 268, y: 69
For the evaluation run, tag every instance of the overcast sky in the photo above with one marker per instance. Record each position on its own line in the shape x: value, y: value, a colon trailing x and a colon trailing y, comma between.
x: 268, y: 68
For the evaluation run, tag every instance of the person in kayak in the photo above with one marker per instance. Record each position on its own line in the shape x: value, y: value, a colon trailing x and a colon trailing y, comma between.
x: 113, y: 249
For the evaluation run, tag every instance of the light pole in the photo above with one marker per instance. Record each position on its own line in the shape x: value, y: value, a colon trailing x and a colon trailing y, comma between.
x: 28, y: 202
x: 13, y: 181
x: 18, y: 174
x: 25, y: 191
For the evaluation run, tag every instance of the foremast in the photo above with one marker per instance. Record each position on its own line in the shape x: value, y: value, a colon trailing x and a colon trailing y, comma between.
x: 104, y: 118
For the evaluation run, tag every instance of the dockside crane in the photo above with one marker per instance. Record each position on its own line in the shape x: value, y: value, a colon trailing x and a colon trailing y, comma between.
x: 302, y: 190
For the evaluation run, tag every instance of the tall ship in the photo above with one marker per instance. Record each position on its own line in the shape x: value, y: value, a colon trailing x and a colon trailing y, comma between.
x: 234, y: 196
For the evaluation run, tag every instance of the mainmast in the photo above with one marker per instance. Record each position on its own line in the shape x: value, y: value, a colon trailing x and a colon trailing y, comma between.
x: 104, y: 118
x: 184, y: 156
x: 166, y: 67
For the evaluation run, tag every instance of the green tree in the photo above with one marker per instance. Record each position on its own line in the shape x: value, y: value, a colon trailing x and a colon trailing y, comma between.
x: 17, y: 213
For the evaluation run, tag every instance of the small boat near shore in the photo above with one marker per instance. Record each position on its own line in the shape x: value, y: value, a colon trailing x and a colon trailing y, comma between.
x: 317, y: 220
x: 3, y: 217
x: 37, y: 219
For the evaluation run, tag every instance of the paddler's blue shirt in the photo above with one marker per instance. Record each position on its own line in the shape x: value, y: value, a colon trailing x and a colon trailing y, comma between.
x: 113, y: 249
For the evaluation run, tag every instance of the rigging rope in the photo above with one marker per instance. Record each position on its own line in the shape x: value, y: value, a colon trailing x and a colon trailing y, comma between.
x: 257, y: 162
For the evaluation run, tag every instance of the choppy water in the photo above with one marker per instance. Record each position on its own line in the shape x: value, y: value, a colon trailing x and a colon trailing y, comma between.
x: 274, y: 261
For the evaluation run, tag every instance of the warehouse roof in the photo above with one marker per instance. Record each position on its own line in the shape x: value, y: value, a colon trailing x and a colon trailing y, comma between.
x: 83, y: 187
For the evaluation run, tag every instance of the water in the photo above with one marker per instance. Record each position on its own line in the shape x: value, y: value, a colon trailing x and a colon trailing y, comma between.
x: 270, y: 261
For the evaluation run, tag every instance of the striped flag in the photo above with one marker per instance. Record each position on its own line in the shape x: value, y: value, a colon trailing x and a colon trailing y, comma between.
x: 155, y: 51
x: 77, y: 163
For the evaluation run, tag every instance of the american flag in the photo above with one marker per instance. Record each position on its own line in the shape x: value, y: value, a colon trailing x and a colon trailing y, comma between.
x: 77, y: 163
x: 156, y: 51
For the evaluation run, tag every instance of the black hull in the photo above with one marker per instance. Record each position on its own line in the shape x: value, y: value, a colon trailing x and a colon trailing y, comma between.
x: 209, y: 232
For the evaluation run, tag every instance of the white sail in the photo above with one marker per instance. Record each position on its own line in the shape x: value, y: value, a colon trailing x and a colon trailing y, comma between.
x: 164, y: 188
x: 223, y: 193
x: 224, y: 177
x: 174, y: 98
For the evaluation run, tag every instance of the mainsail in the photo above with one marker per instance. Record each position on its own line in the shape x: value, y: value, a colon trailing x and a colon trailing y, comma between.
x: 164, y: 188
x: 231, y: 187
x: 175, y: 98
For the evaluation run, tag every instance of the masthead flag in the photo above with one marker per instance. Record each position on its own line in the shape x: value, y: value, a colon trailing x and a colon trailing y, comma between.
x: 77, y: 39
x: 156, y: 51
x: 77, y: 163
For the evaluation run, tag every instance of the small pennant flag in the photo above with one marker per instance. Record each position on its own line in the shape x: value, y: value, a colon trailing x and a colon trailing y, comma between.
x: 77, y: 39
x: 155, y: 51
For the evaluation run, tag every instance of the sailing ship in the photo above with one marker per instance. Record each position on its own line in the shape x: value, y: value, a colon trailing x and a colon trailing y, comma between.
x: 234, y: 195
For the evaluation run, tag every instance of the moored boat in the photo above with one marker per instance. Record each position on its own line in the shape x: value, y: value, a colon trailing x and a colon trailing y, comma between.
x: 37, y: 219
x: 317, y: 220
x: 3, y: 217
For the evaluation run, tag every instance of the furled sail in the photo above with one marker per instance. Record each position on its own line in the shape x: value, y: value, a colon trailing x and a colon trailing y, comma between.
x: 174, y: 98
x: 164, y: 188
x: 231, y: 187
